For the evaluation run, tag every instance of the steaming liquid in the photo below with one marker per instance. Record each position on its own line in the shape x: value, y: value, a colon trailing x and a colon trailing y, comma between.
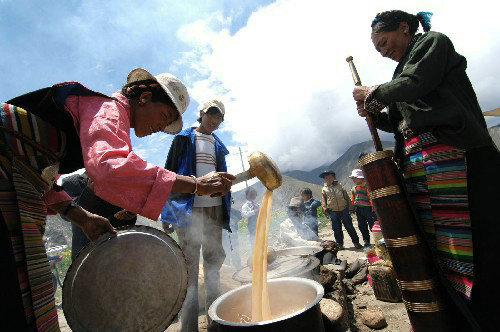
x: 261, y: 309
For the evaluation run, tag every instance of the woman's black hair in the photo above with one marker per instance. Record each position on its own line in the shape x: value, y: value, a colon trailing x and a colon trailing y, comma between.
x: 135, y: 89
x: 390, y: 20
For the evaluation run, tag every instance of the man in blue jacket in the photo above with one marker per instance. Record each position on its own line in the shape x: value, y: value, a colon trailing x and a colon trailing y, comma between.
x: 311, y: 209
x: 198, y: 220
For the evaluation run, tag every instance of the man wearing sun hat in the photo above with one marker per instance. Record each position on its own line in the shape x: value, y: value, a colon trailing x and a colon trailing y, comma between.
x: 362, y: 205
x: 198, y: 220
x: 336, y: 204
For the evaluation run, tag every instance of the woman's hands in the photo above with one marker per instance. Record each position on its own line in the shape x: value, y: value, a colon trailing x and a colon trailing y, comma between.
x: 359, y: 94
x: 92, y: 225
x: 214, y: 183
x: 95, y: 226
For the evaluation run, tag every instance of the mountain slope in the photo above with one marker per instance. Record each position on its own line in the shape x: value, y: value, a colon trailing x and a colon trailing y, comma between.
x: 343, y: 166
x: 281, y: 197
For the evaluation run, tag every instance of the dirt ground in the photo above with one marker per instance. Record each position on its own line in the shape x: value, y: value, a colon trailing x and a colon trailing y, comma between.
x: 395, y: 313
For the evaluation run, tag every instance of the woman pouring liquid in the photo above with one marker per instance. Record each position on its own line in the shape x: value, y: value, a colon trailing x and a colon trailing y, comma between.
x: 61, y: 129
x: 449, y: 161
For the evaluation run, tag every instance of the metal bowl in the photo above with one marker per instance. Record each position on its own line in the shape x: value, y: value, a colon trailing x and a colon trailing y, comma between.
x: 294, y: 302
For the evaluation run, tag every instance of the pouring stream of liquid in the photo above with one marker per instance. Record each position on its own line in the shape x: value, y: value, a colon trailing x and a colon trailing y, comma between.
x: 261, y: 309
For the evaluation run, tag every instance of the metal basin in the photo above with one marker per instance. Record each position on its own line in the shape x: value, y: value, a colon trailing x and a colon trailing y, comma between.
x: 294, y: 306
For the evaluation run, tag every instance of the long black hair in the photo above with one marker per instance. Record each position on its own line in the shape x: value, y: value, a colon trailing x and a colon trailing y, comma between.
x: 133, y: 90
x: 390, y: 20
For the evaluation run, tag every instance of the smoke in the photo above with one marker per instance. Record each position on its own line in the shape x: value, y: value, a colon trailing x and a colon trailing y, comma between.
x: 285, y: 82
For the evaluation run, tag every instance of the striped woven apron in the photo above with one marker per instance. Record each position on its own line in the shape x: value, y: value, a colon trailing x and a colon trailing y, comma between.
x: 436, y: 179
x: 29, y: 152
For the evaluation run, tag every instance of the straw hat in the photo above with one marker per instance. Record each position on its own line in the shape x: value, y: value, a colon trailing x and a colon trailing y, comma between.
x: 296, y: 202
x: 357, y: 173
x: 173, y: 87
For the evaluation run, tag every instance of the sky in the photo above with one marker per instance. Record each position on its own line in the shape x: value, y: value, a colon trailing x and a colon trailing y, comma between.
x: 279, y: 67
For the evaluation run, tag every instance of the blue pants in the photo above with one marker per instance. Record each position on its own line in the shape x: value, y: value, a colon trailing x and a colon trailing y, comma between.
x: 342, y: 217
x: 364, y: 215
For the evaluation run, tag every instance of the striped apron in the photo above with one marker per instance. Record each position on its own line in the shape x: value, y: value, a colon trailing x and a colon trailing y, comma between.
x: 30, y: 150
x: 436, y: 179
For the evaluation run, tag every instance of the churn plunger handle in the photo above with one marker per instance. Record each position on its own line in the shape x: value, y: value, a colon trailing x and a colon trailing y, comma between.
x: 369, y: 119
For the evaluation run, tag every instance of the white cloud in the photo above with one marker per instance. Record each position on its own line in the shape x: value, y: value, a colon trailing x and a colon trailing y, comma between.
x: 285, y: 81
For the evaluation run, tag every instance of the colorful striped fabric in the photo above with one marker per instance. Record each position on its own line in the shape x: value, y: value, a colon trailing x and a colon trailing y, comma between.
x: 360, y: 195
x: 436, y: 179
x: 27, y: 147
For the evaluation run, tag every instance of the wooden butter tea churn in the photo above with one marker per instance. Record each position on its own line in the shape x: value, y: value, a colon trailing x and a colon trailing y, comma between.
x: 423, y: 294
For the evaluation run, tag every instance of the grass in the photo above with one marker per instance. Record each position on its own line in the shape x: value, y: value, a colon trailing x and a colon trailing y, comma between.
x: 62, y: 269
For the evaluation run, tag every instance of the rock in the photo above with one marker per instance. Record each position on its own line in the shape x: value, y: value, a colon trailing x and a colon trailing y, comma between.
x: 374, y: 319
x: 338, y: 294
x: 328, y: 276
x: 361, y: 275
x: 349, y: 287
x: 361, y: 306
x: 332, y: 313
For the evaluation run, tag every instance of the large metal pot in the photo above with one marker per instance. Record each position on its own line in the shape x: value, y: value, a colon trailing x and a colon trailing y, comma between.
x: 294, y: 302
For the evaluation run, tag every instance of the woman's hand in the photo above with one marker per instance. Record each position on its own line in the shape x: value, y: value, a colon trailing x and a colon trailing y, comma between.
x: 94, y: 226
x: 360, y: 93
x: 215, y: 183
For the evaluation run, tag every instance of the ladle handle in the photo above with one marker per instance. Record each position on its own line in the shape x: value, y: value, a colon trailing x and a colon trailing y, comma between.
x: 243, y: 176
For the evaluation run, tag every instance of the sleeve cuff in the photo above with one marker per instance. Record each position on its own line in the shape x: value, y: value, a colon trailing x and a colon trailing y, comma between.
x: 159, y: 194
x: 373, y: 105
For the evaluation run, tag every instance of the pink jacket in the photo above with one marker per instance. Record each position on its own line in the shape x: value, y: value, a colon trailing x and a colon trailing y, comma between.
x: 120, y: 176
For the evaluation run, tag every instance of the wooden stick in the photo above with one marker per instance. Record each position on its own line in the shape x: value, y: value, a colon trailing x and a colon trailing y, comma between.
x: 369, y: 119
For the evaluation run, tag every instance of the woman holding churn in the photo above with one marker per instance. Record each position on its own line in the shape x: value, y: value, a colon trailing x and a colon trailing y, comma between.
x: 61, y: 129
x: 448, y: 159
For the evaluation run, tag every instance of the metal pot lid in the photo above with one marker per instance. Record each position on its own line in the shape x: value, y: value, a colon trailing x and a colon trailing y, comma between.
x: 282, y: 266
x: 299, y: 251
x: 135, y: 280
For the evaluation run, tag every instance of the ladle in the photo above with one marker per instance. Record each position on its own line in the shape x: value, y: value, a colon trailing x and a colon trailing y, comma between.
x: 262, y: 167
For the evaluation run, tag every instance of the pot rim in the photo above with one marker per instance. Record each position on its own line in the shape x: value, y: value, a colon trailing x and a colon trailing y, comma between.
x: 315, y: 285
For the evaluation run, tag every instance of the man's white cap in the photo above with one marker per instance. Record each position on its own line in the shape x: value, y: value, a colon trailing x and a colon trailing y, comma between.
x: 213, y: 103
x: 357, y: 173
x: 173, y: 87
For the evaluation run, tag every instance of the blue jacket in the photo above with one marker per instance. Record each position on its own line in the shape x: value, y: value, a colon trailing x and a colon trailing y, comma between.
x: 182, y: 160
x: 312, y: 208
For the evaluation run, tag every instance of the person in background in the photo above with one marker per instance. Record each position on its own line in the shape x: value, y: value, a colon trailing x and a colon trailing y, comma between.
x: 250, y: 210
x: 61, y: 129
x: 293, y: 231
x: 362, y: 205
x: 448, y: 159
x: 199, y: 220
x: 336, y: 204
x: 311, y: 209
